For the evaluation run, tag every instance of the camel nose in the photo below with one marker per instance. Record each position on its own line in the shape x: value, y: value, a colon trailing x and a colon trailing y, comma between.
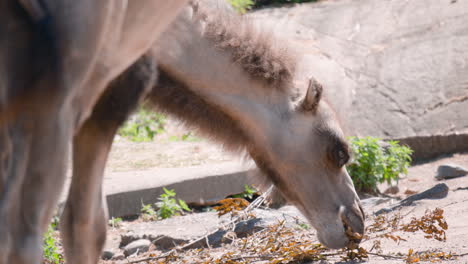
x: 353, y: 220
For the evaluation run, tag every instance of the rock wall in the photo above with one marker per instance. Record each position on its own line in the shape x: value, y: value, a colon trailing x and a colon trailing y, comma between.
x: 393, y: 69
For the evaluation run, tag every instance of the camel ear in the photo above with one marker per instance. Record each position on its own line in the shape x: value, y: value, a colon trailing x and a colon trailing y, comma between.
x: 313, y: 95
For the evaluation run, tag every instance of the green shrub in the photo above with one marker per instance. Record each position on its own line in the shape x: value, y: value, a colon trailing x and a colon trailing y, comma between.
x: 167, y: 206
x: 148, y: 213
x: 248, y: 193
x: 376, y: 162
x: 302, y: 225
x: 143, y: 126
x: 241, y: 6
x: 50, y: 247
x: 187, y: 137
x: 115, y: 222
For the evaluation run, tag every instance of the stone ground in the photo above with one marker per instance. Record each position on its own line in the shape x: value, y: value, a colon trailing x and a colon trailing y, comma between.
x: 185, y: 228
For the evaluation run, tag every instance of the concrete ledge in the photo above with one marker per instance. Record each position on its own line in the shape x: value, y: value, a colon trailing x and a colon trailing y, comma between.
x: 433, y: 146
x: 126, y: 191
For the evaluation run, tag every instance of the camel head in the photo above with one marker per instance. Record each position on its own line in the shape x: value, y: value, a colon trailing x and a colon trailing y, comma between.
x: 307, y: 164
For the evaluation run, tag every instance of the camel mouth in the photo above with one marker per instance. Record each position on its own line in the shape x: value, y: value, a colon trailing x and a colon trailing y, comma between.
x: 354, y: 238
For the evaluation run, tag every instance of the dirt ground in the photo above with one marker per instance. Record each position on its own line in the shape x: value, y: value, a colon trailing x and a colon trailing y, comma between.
x: 168, y: 150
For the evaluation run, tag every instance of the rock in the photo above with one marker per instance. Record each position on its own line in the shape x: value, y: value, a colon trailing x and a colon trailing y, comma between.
x: 118, y: 256
x: 107, y: 254
x: 128, y: 238
x: 439, y: 191
x: 229, y: 237
x: 214, y: 239
x: 138, y: 246
x: 248, y: 227
x: 392, y: 190
x: 168, y: 233
x: 450, y: 171
x: 179, y: 228
x: 167, y: 242
x: 266, y: 218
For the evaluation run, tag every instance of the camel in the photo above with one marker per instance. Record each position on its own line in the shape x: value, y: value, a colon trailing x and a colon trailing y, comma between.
x: 232, y: 81
x: 57, y: 58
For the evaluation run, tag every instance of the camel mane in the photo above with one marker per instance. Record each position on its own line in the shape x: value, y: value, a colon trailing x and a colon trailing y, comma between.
x: 258, y: 50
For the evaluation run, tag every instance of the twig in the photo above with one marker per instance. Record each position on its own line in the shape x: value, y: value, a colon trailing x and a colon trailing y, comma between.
x: 207, y: 242
x: 253, y: 257
x: 146, y: 259
x: 384, y: 256
x: 331, y: 254
x: 257, y: 202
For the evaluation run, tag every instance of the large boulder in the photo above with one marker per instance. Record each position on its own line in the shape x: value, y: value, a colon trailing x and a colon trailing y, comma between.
x: 392, y: 68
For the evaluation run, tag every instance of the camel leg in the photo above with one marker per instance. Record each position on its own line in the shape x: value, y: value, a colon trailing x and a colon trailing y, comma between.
x: 43, y: 66
x: 5, y: 157
x: 33, y: 183
x: 84, y: 220
x: 14, y: 162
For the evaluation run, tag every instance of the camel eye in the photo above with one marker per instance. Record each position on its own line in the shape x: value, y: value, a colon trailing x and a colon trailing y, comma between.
x: 342, y: 157
x: 337, y: 150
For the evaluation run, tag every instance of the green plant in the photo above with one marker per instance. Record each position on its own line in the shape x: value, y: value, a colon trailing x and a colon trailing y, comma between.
x: 241, y: 6
x: 188, y: 137
x: 115, y: 222
x: 303, y: 225
x: 169, y: 206
x: 148, y: 212
x: 143, y: 126
x: 376, y: 162
x: 50, y: 246
x: 248, y: 193
x: 55, y: 221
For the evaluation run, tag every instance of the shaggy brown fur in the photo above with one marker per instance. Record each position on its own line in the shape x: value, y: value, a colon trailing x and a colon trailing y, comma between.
x: 256, y: 50
x: 175, y: 98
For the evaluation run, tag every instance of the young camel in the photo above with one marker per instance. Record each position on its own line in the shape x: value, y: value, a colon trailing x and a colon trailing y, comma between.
x: 233, y: 83
x: 56, y: 59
